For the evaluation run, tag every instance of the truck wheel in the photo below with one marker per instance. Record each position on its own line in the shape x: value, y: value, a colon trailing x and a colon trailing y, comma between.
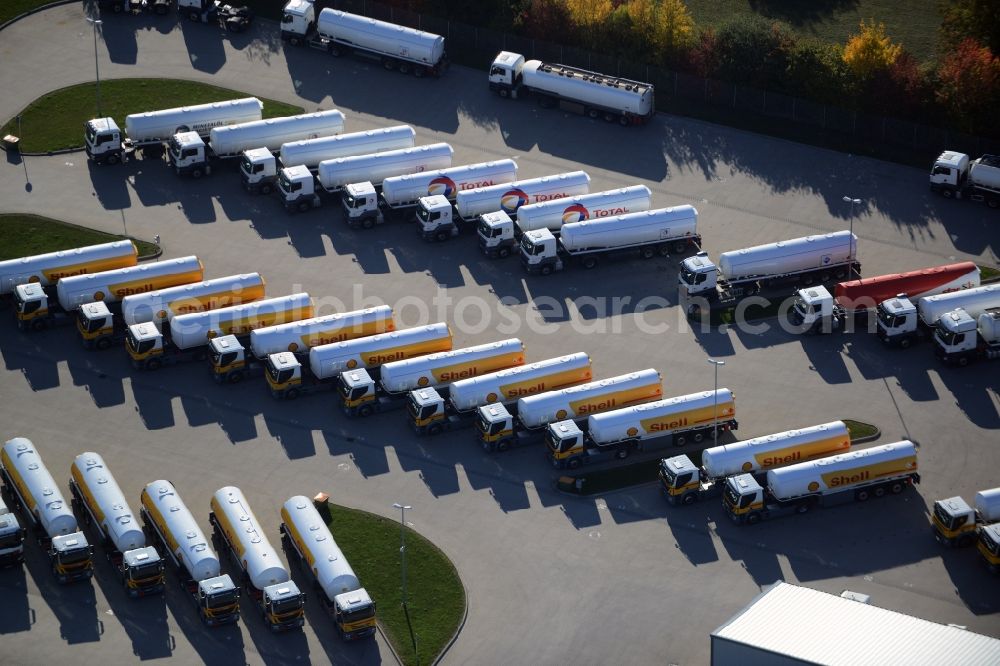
x: 546, y: 270
x: 503, y: 252
x: 154, y: 364
x: 574, y: 463
x: 193, y: 16
x: 503, y: 445
x: 609, y: 117
x: 503, y: 92
x: 753, y: 519
x: 593, y: 113
x: 388, y: 64
x: 880, y: 491
x: 365, y: 410
x: 824, y: 278
x: 963, y: 361
x: 896, y: 488
x: 302, y: 206
x: 367, y: 223
x: 590, y: 262
x: 862, y: 496
x: 292, y: 394
x: 680, y: 440
x: 441, y: 236
x: 38, y: 324
x: 196, y: 173
x: 808, y: 280
x: 404, y: 67
x: 434, y: 429
x: 623, y: 121
x: 265, y: 188
x: 335, y: 51
x: 112, y: 158
x: 235, y: 377
x: 488, y: 447
x: 689, y: 499
x: 947, y: 194
x: 103, y: 343
x: 679, y: 247
x: 905, y: 343
x: 698, y: 437
x: 419, y: 71
x: 993, y: 203
x: 647, y: 253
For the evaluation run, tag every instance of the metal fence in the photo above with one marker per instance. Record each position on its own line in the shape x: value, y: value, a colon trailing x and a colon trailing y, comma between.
x: 689, y: 94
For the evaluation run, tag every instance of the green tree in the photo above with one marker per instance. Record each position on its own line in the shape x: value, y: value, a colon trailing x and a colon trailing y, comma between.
x: 979, y: 19
x: 871, y: 50
x: 750, y: 49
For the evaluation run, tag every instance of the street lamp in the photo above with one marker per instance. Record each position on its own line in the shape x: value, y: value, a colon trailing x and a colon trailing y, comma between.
x: 95, y: 23
x: 715, y: 410
x: 402, y: 542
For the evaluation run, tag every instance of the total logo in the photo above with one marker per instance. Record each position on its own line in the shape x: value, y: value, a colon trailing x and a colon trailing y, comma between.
x: 512, y: 200
x: 441, y: 185
x: 575, y: 213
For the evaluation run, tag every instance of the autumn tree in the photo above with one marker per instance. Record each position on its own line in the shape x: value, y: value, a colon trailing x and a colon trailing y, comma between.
x: 969, y: 86
x: 871, y: 50
x: 979, y: 19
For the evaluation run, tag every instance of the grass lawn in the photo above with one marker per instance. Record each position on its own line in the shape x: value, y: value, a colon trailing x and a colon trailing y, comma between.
x: 435, y: 596
x: 913, y: 23
x: 988, y: 273
x: 26, y: 235
x: 55, y: 121
x: 11, y: 8
x: 623, y: 476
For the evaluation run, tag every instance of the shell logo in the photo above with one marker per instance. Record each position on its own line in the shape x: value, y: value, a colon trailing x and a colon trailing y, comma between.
x: 423, y: 381
x: 747, y: 466
x: 492, y: 397
x: 162, y: 314
x: 813, y: 486
x: 575, y: 213
x: 441, y: 185
x: 512, y: 200
x: 211, y: 333
x: 632, y: 432
x: 98, y: 295
x: 352, y: 364
x: 293, y: 347
x: 561, y: 414
x: 33, y: 279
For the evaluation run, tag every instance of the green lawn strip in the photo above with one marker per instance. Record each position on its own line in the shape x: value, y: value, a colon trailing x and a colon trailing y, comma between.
x: 23, y: 235
x: 55, y: 121
x: 11, y: 8
x: 435, y: 596
x: 623, y: 476
x: 914, y: 24
x: 987, y: 273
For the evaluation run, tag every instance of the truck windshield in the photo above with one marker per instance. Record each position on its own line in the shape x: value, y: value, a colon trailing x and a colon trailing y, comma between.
x: 137, y: 346
x: 144, y: 571
x: 222, y: 359
x: 91, y: 135
x: 804, y: 308
x: 554, y: 443
x: 11, y: 540
x: 731, y: 496
x: 668, y: 475
x: 74, y: 556
x: 89, y: 325
x: 946, y: 337
x: 688, y: 276
x: 484, y: 229
x: 288, y: 605
x: 285, y: 184
x: 527, y: 245
x: 423, y: 214
x: 986, y: 539
x: 174, y: 147
x: 27, y: 307
x: 220, y: 599
x: 278, y: 376
x: 943, y: 517
x: 358, y: 614
x: 889, y: 321
x: 246, y: 165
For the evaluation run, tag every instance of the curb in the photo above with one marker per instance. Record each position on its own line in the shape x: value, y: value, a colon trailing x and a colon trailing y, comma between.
x: 458, y: 629
x: 40, y: 8
x: 388, y: 643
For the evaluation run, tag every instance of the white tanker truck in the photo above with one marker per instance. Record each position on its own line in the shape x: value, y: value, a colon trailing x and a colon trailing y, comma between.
x: 96, y: 494
x: 304, y: 533
x: 169, y: 521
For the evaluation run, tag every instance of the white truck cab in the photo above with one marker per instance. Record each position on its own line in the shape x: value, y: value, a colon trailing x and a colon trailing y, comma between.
x: 11, y: 536
x: 505, y: 73
x: 258, y: 170
x: 563, y: 438
x: 949, y: 173
x: 897, y: 320
x: 298, y: 188
x: 426, y: 407
x: 436, y: 217
x: 186, y: 153
x: 539, y: 248
x: 496, y: 234
x: 495, y: 423
x: 361, y: 205
x: 144, y: 340
x: 956, y: 332
x: 103, y: 141
x: 30, y: 302
x: 698, y: 275
x: 96, y: 324
x: 356, y: 387
x: 297, y: 20
x: 815, y: 308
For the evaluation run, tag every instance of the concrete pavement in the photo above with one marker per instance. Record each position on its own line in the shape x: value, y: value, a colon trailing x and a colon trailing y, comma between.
x: 550, y: 578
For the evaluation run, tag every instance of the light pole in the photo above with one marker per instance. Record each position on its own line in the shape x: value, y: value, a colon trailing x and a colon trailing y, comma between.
x: 854, y: 202
x: 402, y: 542
x: 715, y: 395
x: 97, y: 70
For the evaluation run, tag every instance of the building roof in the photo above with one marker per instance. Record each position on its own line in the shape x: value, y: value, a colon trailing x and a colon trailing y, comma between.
x: 821, y: 628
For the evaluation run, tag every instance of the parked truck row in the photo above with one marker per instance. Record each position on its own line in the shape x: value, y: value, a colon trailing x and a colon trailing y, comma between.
x: 135, y: 549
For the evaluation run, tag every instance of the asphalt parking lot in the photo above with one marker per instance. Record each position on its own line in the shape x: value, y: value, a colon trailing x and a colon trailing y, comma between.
x: 550, y: 578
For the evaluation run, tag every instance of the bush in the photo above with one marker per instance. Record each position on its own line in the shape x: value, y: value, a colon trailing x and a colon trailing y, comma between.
x: 754, y: 51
